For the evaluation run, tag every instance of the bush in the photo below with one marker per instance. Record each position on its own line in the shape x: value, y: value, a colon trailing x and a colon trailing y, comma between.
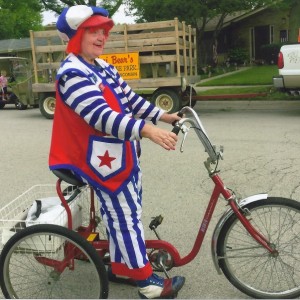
x: 238, y: 56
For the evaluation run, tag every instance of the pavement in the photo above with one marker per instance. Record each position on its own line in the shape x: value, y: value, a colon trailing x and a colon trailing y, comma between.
x: 261, y: 140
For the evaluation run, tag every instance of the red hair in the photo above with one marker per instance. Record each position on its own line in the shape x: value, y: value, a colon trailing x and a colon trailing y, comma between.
x: 74, y: 44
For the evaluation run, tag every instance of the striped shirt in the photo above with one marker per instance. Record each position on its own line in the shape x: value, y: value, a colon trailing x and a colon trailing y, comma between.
x: 82, y: 94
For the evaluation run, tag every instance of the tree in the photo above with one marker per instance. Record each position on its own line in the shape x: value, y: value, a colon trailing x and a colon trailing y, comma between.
x: 57, y: 5
x: 18, y: 17
x: 196, y: 13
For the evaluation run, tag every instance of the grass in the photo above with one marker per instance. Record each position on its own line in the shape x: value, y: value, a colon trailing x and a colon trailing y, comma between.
x: 256, y: 79
x: 258, y: 75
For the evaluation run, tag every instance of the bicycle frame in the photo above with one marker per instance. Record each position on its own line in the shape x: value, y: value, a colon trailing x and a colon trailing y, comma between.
x: 102, y: 246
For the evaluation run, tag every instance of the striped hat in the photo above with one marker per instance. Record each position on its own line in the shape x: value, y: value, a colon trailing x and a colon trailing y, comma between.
x: 81, y: 16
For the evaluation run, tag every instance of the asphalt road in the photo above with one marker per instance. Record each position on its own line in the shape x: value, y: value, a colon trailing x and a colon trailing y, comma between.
x: 261, y: 142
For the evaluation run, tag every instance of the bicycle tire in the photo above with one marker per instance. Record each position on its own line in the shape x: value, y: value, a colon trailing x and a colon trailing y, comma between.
x: 30, y: 260
x: 249, y: 266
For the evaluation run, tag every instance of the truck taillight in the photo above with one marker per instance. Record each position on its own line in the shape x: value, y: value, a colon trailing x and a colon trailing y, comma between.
x: 280, y: 62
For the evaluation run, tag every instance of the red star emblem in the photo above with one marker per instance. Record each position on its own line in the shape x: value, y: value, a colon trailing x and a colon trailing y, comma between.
x: 106, y: 159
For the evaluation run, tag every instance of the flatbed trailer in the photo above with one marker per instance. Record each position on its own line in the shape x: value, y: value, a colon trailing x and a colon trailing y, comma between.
x: 167, y: 55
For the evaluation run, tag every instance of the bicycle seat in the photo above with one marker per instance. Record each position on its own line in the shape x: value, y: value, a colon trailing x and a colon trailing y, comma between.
x: 67, y: 176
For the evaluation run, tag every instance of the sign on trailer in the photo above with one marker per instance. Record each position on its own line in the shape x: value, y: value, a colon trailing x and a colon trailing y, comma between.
x: 127, y: 64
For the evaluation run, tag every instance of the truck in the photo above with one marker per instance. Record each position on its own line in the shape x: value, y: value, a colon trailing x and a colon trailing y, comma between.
x: 289, y: 69
x: 157, y: 59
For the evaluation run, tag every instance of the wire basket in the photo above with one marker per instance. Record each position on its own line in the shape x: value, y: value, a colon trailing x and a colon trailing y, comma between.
x: 14, y: 214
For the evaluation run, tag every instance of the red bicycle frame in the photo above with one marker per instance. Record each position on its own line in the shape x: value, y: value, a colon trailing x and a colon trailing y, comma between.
x: 102, y: 246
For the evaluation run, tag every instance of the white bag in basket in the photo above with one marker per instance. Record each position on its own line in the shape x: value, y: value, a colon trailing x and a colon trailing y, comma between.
x: 51, y: 211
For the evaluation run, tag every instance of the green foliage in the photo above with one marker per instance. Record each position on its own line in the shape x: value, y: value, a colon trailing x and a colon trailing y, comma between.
x: 238, y: 56
x: 57, y: 5
x: 194, y: 12
x: 258, y: 75
x: 18, y: 17
x: 157, y: 10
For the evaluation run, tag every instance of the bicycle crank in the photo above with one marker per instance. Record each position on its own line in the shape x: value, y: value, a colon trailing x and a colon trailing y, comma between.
x: 161, y: 261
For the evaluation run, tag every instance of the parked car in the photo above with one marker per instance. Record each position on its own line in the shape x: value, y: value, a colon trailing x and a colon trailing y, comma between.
x: 288, y: 68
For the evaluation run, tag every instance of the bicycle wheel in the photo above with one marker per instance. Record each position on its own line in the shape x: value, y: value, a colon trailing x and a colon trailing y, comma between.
x: 50, y: 261
x: 249, y: 266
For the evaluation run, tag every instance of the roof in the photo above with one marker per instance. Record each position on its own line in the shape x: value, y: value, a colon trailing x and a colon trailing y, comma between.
x: 13, y: 45
x: 12, y: 58
x: 232, y: 18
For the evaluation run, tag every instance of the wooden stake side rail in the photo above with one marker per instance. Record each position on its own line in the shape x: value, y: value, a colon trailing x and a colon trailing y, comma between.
x: 169, y: 47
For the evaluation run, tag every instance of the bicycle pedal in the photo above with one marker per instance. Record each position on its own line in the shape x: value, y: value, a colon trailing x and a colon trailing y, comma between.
x: 156, y: 221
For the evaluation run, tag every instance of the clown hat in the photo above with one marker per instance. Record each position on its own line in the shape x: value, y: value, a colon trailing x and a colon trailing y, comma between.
x: 82, y: 16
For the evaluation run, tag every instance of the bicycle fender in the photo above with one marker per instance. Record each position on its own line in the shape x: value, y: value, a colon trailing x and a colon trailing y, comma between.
x: 222, y: 221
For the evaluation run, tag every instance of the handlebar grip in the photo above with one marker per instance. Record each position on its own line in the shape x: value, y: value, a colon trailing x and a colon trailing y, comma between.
x: 179, y: 114
x: 176, y: 129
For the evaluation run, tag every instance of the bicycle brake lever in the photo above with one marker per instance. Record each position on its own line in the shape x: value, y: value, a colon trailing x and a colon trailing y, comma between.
x: 185, y: 131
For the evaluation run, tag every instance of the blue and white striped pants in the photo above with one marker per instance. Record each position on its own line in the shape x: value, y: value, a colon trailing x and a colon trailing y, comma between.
x: 121, y: 215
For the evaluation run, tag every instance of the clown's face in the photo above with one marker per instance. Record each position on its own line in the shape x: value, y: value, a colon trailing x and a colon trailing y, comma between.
x: 92, y: 43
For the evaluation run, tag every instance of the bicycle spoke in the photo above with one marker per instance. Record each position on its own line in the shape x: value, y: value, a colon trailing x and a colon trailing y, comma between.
x: 252, y: 268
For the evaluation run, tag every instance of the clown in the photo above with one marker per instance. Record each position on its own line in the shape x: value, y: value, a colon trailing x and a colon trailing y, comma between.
x: 97, y: 126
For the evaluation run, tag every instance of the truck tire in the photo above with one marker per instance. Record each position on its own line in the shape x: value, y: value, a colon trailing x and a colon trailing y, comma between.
x: 47, y: 105
x: 186, y: 97
x: 167, y: 99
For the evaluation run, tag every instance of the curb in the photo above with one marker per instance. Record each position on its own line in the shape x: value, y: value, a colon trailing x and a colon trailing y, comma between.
x: 227, y: 96
x: 249, y: 105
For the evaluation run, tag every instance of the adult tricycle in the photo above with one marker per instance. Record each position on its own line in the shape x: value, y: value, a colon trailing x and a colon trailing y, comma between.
x: 255, y: 244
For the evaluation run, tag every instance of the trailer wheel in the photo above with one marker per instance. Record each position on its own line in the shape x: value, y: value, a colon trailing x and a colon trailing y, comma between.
x: 47, y: 106
x: 167, y: 99
x: 186, y: 97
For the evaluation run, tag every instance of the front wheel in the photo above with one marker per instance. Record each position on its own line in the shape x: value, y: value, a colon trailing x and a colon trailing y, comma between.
x: 20, y: 106
x: 249, y: 266
x: 49, y: 261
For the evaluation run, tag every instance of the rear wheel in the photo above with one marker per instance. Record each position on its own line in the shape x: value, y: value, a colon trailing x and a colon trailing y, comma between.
x: 186, y: 97
x: 50, y: 261
x: 249, y: 266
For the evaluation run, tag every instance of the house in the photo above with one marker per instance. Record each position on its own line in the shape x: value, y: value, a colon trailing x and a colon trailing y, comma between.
x: 251, y: 30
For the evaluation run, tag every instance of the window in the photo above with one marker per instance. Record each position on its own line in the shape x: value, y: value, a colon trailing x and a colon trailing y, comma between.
x: 283, y: 36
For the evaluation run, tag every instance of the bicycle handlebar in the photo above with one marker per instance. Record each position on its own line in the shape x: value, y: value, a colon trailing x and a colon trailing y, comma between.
x: 196, y: 124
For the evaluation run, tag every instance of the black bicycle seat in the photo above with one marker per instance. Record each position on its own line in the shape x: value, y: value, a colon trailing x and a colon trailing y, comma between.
x: 67, y: 176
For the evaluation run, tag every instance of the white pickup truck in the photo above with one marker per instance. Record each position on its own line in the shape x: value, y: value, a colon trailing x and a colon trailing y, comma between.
x: 289, y: 68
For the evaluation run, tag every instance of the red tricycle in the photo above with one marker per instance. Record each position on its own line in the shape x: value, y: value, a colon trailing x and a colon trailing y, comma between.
x: 255, y: 244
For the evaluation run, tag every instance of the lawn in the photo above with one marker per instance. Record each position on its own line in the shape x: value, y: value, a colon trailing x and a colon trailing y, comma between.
x: 256, y: 79
x: 258, y: 75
